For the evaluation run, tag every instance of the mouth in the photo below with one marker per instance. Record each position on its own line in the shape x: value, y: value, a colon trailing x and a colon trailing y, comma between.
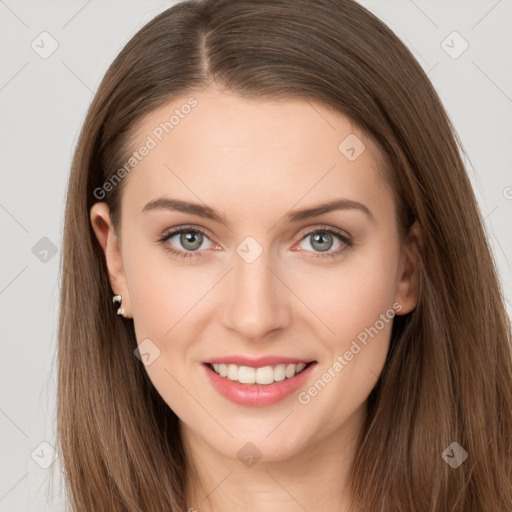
x: 258, y: 386
x: 263, y: 375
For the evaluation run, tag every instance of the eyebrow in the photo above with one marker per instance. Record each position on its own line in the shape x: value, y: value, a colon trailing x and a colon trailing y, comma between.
x: 166, y: 203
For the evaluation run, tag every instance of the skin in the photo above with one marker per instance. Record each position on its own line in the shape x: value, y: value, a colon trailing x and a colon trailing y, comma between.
x: 254, y: 162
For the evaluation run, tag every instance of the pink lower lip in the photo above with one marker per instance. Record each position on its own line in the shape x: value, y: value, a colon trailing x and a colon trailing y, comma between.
x: 257, y: 395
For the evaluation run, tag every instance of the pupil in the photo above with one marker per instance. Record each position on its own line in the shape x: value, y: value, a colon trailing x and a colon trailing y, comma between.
x: 319, y: 237
x: 188, y: 238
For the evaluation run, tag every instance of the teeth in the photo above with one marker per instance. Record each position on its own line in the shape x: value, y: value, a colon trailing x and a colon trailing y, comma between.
x: 265, y: 375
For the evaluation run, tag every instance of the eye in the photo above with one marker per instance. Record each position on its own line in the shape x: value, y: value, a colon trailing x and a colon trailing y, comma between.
x: 189, y: 242
x: 190, y: 239
x: 322, y: 240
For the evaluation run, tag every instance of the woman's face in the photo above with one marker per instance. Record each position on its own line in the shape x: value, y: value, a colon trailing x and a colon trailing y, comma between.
x: 253, y: 275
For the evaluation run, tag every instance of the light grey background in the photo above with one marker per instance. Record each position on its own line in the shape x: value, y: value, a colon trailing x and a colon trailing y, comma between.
x: 43, y: 103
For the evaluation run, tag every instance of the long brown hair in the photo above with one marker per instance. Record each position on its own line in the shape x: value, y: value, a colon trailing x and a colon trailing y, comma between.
x: 448, y: 375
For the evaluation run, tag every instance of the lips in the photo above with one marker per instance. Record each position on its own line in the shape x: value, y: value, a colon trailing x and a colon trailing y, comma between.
x: 254, y: 394
x: 258, y: 362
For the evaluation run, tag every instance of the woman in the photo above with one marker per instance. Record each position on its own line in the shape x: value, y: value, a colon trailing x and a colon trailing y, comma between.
x: 248, y: 366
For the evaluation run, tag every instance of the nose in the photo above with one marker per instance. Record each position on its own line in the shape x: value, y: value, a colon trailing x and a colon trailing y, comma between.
x: 257, y: 299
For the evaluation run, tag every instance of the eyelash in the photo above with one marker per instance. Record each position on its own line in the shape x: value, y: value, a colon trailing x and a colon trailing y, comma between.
x: 191, y: 254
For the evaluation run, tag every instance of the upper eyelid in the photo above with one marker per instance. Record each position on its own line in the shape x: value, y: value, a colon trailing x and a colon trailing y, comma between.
x: 324, y: 227
x: 176, y: 231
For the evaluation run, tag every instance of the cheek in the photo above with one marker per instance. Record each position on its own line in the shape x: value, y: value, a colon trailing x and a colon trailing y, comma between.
x: 352, y: 296
x: 355, y: 303
x: 156, y: 295
x: 161, y: 290
x: 163, y: 299
x: 171, y: 304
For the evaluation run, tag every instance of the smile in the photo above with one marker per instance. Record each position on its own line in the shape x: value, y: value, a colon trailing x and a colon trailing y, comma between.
x: 264, y: 376
x: 257, y: 386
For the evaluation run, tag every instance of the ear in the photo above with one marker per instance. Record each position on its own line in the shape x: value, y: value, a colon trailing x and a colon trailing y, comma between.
x: 407, y: 292
x: 106, y: 235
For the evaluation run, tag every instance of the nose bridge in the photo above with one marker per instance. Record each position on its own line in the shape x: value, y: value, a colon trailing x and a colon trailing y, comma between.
x: 257, y: 303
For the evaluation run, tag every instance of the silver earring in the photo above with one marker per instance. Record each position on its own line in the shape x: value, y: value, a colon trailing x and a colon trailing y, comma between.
x: 118, y: 299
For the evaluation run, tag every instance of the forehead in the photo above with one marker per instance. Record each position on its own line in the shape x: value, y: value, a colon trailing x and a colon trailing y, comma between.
x: 209, y: 142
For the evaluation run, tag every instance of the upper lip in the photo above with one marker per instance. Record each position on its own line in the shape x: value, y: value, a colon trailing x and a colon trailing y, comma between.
x: 258, y: 362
